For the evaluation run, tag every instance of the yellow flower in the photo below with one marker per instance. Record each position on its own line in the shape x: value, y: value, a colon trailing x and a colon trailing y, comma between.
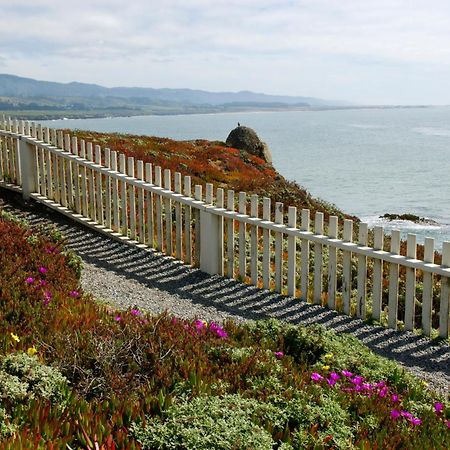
x: 15, y: 337
x: 32, y: 350
x: 326, y: 367
x: 424, y: 383
x: 328, y: 356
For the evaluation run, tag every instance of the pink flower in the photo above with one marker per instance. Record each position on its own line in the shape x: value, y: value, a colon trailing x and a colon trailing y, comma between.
x: 47, y: 297
x: 395, y: 414
x: 415, y: 421
x: 394, y: 398
x: 117, y: 318
x: 199, y: 324
x: 214, y: 327
x: 74, y: 293
x: 447, y: 422
x: 42, y: 270
x: 316, y: 376
x: 406, y: 414
x: 383, y: 392
x: 357, y: 379
x: 29, y: 280
x: 438, y: 407
x: 278, y: 355
x: 334, y: 376
x: 41, y: 283
x: 346, y: 373
x: 135, y: 312
x: 331, y: 382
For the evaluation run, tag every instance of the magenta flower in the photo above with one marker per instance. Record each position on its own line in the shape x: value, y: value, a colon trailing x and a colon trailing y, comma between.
x: 394, y: 398
x: 380, y: 384
x: 346, y: 373
x: 357, y: 379
x: 331, y: 382
x: 316, y: 376
x: 395, y: 414
x: 334, y: 376
x: 135, y: 312
x: 29, y: 280
x: 383, y: 392
x: 74, y: 293
x: 406, y: 414
x: 47, y: 297
x: 214, y: 327
x: 447, y: 422
x: 438, y: 407
x: 278, y: 355
x: 43, y: 270
x: 415, y: 421
x: 41, y: 283
x: 199, y: 324
x: 117, y: 318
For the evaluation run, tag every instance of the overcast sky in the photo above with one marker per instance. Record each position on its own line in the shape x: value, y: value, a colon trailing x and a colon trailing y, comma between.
x: 377, y: 52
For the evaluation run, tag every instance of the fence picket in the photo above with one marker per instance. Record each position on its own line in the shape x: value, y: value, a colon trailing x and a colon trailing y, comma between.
x: 377, y: 288
x: 178, y: 219
x: 444, y: 309
x: 318, y: 260
x: 141, y: 212
x: 91, y: 190
x: 123, y: 196
x: 393, y: 282
x: 254, y: 241
x: 84, y: 184
x: 292, y: 253
x: 198, y: 196
x: 187, y: 222
x: 99, y: 184
x: 332, y: 262
x: 427, y: 299
x: 361, y: 306
x: 304, y: 249
x: 242, y: 240
x: 69, y: 174
x: 279, y: 249
x: 158, y: 211
x: 56, y: 170
x: 76, y: 175
x: 266, y: 244
x: 62, y: 169
x: 410, y: 295
x: 132, y: 199
x: 149, y: 201
x: 230, y: 235
x: 347, y: 267
x: 220, y: 200
x: 115, y: 195
x: 108, y: 187
x: 168, y: 212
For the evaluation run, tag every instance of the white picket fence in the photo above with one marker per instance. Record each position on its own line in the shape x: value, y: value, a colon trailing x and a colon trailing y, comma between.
x: 141, y: 204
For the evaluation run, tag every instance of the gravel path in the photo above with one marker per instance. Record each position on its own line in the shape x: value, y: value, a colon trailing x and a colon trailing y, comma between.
x: 126, y: 276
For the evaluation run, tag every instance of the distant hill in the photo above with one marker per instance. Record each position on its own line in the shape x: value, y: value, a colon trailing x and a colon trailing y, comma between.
x: 14, y: 86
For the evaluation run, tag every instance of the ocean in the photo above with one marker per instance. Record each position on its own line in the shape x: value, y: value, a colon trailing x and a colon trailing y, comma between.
x: 368, y: 162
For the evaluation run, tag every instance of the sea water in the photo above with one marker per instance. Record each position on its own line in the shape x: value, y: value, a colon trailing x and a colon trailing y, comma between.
x: 368, y: 162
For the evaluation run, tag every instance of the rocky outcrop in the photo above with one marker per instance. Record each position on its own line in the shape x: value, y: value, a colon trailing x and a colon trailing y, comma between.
x: 244, y: 138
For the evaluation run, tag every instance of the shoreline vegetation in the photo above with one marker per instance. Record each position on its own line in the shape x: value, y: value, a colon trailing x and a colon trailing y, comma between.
x: 46, y: 113
x: 76, y: 373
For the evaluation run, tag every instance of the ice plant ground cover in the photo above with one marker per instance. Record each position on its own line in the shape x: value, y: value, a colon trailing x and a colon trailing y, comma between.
x: 76, y: 374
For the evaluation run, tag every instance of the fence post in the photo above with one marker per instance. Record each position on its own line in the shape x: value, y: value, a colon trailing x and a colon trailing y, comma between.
x: 209, y: 242
x: 27, y: 168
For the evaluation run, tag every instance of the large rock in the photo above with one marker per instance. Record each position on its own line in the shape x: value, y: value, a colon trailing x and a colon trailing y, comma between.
x: 245, y: 138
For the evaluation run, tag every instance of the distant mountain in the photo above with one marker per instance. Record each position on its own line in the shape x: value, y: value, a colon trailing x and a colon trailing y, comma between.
x: 19, y: 87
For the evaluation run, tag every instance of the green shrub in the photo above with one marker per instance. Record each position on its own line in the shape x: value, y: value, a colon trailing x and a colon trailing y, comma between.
x: 24, y: 377
x: 206, y: 423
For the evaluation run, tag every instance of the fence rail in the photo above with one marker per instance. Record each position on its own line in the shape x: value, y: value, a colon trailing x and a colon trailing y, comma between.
x: 247, y: 239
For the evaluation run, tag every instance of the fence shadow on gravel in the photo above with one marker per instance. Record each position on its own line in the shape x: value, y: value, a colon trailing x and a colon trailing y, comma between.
x: 237, y: 299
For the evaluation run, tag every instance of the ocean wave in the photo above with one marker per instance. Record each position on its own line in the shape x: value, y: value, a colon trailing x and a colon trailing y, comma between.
x: 375, y: 221
x: 433, y: 131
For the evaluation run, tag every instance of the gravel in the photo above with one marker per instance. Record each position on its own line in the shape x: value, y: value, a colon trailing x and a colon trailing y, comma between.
x: 126, y: 276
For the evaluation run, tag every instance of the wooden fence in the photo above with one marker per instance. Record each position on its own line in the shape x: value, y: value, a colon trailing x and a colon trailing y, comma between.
x: 146, y: 206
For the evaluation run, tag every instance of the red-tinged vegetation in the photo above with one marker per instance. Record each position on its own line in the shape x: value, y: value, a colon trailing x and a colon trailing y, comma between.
x: 213, y: 162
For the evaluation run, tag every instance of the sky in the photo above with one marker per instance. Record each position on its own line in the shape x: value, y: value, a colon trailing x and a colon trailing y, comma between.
x: 366, y: 52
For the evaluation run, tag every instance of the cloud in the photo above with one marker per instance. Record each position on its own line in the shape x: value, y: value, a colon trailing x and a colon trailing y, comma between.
x: 221, y: 43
